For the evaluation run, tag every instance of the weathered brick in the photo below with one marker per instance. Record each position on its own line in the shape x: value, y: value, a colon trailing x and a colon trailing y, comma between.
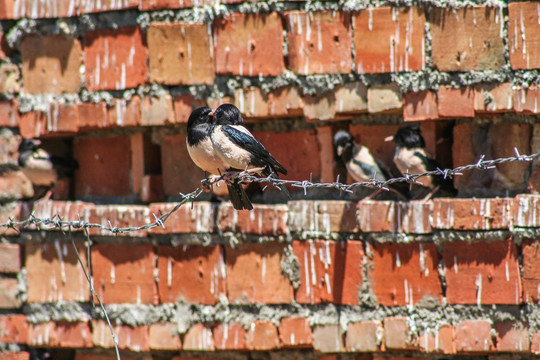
x: 385, y: 98
x: 164, y: 336
x: 493, y: 97
x: 512, y: 337
x: 199, y: 338
x: 262, y: 220
x: 229, y: 336
x: 328, y: 338
x: 10, y: 82
x: 124, y: 112
x: 8, y: 293
x: 472, y: 214
x: 262, y: 336
x: 320, y: 107
x: 194, y: 274
x: 94, y: 6
x: 252, y: 102
x: 57, y: 263
x: 523, y: 36
x: 364, y: 336
x: 377, y: 216
x: 526, y: 210
x: 73, y: 334
x: 66, y: 210
x: 93, y: 116
x: 181, y: 53
x: 128, y: 338
x: 351, y: 98
x: 482, y: 273
x: 10, y: 258
x: 249, y: 45
x: 19, y: 355
x: 397, y: 334
x: 62, y: 118
x: 42, y: 334
x: 115, y: 59
x: 119, y: 216
x: 473, y: 336
x: 454, y: 103
x: 389, y: 39
x: 147, y: 5
x: 440, y: 340
x: 13, y: 329
x: 319, y: 42
x: 124, y: 273
x: 51, y: 64
x: 46, y: 8
x: 414, y: 217
x: 9, y: 114
x: 156, y: 111
x: 194, y: 218
x: 329, y: 271
x: 15, y: 185
x: 414, y: 275
x: 531, y: 271
x: 295, y: 332
x: 322, y: 217
x: 254, y: 274
x: 285, y: 101
x: 420, y: 106
x: 467, y: 39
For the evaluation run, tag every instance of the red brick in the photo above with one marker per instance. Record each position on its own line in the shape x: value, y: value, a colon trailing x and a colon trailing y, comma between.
x: 66, y: 210
x: 262, y: 220
x: 467, y: 39
x: 146, y: 5
x: 128, y: 338
x: 397, y: 334
x: 191, y: 218
x: 262, y: 336
x: 180, y: 174
x: 526, y: 99
x: 319, y: 42
x: 295, y: 332
x: 191, y: 273
x: 364, y: 336
x: 191, y: 62
x: 115, y: 59
x: 389, y: 39
x: 164, y: 336
x: 124, y: 273
x: 385, y: 98
x: 523, y: 37
x: 482, y: 273
x: 10, y: 258
x: 199, y: 338
x: 93, y: 6
x: 57, y: 263
x: 377, y: 216
x: 42, y: 335
x: 531, y: 271
x: 124, y: 112
x: 184, y: 105
x: 252, y: 102
x: 472, y: 214
x: 20, y: 355
x: 9, y: 293
x: 285, y: 101
x: 93, y: 116
x: 62, y: 118
x: 229, y: 336
x: 9, y: 114
x: 46, y: 9
x: 51, y: 64
x: 33, y: 124
x: 512, y: 337
x: 328, y: 338
x: 263, y: 55
x: 489, y: 98
x: 108, y: 166
x: 329, y: 271
x: 441, y: 340
x: 414, y: 217
x: 405, y: 274
x: 254, y: 274
x: 420, y: 106
x: 320, y: 107
x: 13, y: 329
x: 73, y: 334
x: 157, y: 111
x: 473, y: 336
x: 456, y: 102
x: 119, y: 216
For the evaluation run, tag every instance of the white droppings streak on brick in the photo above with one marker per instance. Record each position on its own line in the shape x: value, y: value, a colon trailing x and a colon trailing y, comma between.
x: 306, y: 275
x: 370, y: 18
x: 138, y: 294
x: 398, y: 260
x: 479, y: 290
x: 455, y: 265
x: 263, y: 270
x: 169, y: 271
x: 60, y: 261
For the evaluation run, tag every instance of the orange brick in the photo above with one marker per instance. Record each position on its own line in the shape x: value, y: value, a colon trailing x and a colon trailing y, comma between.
x: 57, y: 262
x: 526, y: 100
x: 364, y: 336
x: 115, y: 59
x: 295, y: 332
x: 455, y: 102
x: 119, y: 216
x: 191, y: 218
x: 328, y: 339
x: 472, y: 214
x: 414, y: 274
x: 13, y: 329
x: 249, y: 45
x: 9, y: 294
x: 440, y: 341
x: 20, y: 355
x: 414, y: 216
x: 199, y: 338
x: 10, y: 258
x: 46, y: 9
x: 319, y: 42
x: 9, y: 114
x: 164, y: 336
x: 397, y: 334
x: 329, y: 271
x: 420, y: 106
x: 322, y: 217
x: 193, y: 273
x: 62, y: 118
x: 156, y: 111
x: 473, y: 336
x: 377, y: 216
x: 254, y: 274
x: 285, y: 101
x: 531, y: 271
x: 147, y: 5
x: 482, y: 273
x: 43, y: 334
x: 512, y: 337
x: 493, y: 98
x: 73, y: 334
x: 93, y: 6
x: 229, y: 337
x: 262, y: 220
x: 262, y: 336
x: 523, y: 37
x: 252, y: 102
x: 51, y: 64
x: 128, y: 338
x: 124, y: 273
x: 459, y: 38
x: 389, y: 39
x: 93, y: 116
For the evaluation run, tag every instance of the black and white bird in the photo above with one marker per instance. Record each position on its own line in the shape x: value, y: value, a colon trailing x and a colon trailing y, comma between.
x: 411, y: 156
x: 203, y: 154
x: 238, y: 148
x: 361, y: 164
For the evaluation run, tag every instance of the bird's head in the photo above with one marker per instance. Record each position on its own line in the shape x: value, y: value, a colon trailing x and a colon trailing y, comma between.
x: 228, y: 114
x: 408, y: 137
x: 29, y: 145
x: 342, y: 141
x: 202, y: 115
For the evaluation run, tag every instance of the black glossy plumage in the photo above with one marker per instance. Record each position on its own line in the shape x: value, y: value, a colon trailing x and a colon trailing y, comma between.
x: 199, y: 125
x: 409, y: 137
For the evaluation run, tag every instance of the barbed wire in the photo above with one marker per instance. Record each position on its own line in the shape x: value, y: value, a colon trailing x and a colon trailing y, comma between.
x: 57, y: 223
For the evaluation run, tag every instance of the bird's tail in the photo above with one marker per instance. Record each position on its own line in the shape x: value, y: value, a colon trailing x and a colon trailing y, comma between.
x: 239, y: 198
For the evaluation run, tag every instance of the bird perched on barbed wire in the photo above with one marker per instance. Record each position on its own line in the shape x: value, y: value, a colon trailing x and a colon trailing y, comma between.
x: 410, y: 156
x: 201, y: 151
x: 238, y: 148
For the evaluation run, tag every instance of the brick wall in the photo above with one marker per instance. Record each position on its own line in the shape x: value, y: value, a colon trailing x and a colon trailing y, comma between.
x: 112, y: 83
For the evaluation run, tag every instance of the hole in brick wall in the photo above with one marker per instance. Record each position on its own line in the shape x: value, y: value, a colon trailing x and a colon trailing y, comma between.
x: 152, y: 157
x: 60, y: 151
x: 336, y: 38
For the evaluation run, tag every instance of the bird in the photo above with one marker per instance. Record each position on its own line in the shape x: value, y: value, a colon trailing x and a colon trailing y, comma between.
x: 201, y: 151
x: 238, y: 148
x: 410, y: 156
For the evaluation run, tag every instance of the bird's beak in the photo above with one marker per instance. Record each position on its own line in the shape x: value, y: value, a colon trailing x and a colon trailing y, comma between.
x: 339, y: 150
x: 389, y: 138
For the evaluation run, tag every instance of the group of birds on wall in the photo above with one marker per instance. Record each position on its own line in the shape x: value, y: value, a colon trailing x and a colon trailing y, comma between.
x: 220, y: 144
